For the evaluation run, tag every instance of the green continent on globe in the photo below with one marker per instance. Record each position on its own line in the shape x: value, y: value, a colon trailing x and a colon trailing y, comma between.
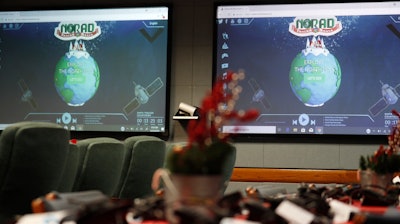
x: 76, y: 79
x: 315, y: 79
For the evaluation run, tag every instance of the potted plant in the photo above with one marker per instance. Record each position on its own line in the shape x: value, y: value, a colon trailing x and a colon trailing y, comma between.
x: 377, y: 170
x: 207, y: 147
x: 195, y: 169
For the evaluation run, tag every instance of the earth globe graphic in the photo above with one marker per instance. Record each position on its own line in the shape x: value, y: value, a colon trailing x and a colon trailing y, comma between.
x: 315, y: 74
x: 76, y: 76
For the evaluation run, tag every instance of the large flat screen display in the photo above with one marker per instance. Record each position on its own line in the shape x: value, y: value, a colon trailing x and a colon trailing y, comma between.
x: 89, y: 70
x: 313, y: 69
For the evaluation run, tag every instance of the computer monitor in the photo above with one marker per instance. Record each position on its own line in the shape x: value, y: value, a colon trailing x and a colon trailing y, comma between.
x: 313, y: 70
x: 101, y: 71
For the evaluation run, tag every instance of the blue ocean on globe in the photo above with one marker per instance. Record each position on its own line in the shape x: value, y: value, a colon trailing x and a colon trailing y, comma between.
x: 77, y: 77
x: 315, y: 74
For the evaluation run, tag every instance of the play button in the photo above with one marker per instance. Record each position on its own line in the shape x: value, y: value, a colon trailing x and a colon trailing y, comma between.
x: 66, y: 118
x: 304, y: 119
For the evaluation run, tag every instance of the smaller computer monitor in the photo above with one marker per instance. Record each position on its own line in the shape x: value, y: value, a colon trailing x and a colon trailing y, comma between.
x: 95, y: 71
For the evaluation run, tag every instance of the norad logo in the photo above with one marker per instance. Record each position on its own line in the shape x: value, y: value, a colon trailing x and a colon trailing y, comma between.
x: 74, y: 31
x: 322, y: 26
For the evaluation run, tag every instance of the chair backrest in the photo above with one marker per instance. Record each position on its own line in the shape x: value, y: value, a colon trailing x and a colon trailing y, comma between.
x: 100, y: 164
x: 143, y: 156
x: 32, y: 159
x: 70, y: 170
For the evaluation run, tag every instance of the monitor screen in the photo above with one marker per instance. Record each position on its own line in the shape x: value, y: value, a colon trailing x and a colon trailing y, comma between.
x: 89, y: 70
x: 312, y: 69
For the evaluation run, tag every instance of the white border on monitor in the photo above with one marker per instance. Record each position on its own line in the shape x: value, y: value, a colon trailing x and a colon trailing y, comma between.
x: 111, y: 14
x: 314, y: 9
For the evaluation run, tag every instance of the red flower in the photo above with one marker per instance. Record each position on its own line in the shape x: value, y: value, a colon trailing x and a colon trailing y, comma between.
x: 385, y: 159
x: 217, y: 108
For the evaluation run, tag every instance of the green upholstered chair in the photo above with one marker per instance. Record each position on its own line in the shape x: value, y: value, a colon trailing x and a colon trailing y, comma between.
x: 70, y: 170
x: 143, y: 156
x: 100, y: 164
x: 32, y: 159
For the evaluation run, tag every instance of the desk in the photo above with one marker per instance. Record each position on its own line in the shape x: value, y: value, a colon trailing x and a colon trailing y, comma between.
x: 375, y: 214
x: 235, y: 203
x: 371, y: 209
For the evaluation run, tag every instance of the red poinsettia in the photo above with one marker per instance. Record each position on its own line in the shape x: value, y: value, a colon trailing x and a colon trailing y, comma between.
x: 385, y: 159
x: 216, y: 109
x: 207, y: 147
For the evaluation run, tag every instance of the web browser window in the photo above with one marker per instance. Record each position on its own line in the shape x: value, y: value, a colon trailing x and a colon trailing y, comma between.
x: 86, y: 69
x: 324, y: 68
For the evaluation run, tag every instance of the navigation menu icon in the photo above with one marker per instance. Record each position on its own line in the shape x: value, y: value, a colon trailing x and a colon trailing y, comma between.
x: 224, y: 55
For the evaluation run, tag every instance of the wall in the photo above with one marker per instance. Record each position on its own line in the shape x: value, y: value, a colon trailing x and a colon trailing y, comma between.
x: 192, y: 77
